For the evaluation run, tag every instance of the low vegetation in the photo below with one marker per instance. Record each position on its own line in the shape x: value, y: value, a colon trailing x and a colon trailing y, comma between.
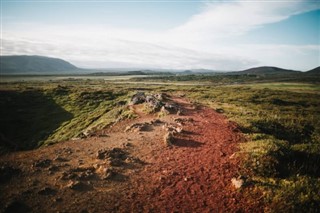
x: 281, y: 122
x: 283, y: 131
x: 35, y: 114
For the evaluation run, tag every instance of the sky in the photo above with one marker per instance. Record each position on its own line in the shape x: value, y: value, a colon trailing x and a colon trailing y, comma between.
x: 222, y: 35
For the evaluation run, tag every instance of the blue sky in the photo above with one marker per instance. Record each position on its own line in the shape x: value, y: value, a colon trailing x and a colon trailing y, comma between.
x: 220, y: 35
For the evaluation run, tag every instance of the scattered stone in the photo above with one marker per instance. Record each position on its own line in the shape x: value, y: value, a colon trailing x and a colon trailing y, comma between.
x: 68, y: 175
x: 133, y: 160
x: 58, y: 199
x: 53, y: 168
x: 126, y: 145
x: 96, y: 166
x: 178, y: 129
x: 172, y: 108
x: 47, y: 191
x: 116, y: 162
x: 168, y: 139
x: 76, y: 138
x: 219, y: 110
x: 7, y: 172
x: 164, y: 111
x: 60, y: 159
x: 156, y: 121
x: 173, y: 129
x: 88, y: 133
x: 222, y: 154
x: 113, y: 153
x: 238, y: 182
x: 232, y: 156
x: 183, y: 120
x: 87, y: 175
x: 160, y: 96
x: 78, y: 185
x: 68, y: 150
x: 103, y: 135
x: 42, y: 163
x: 81, y: 136
x: 80, y: 173
x: 108, y: 173
x: 137, y: 127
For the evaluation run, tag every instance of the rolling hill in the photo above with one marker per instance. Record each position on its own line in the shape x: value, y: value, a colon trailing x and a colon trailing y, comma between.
x: 315, y: 71
x: 23, y: 64
x: 266, y: 70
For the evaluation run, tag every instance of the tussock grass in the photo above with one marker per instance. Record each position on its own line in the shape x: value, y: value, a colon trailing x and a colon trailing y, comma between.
x: 37, y: 113
x: 282, y: 124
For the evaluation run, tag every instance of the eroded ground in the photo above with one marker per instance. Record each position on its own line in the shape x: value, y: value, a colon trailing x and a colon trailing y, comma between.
x: 179, y: 162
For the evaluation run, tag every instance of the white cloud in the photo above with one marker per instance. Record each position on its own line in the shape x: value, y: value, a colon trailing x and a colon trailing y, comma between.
x: 202, y: 42
x: 222, y: 21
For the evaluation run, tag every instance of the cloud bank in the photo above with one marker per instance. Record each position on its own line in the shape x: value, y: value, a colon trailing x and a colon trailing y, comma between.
x: 203, y: 41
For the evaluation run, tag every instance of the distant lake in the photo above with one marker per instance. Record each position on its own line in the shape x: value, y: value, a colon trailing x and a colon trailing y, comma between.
x: 23, y: 78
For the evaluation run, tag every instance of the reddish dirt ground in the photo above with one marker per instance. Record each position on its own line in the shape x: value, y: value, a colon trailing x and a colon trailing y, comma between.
x: 192, y: 175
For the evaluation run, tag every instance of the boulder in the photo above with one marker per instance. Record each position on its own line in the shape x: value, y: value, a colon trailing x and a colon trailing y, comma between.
x: 153, y: 102
x: 138, y: 98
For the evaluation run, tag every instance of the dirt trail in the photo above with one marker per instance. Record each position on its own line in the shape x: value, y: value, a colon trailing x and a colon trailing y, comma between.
x: 134, y: 170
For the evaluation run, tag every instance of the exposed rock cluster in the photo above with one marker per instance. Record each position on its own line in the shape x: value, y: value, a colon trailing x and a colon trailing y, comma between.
x: 157, y: 102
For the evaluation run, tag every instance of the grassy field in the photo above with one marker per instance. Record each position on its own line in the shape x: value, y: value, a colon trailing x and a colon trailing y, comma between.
x: 282, y: 125
x: 39, y: 113
x: 281, y: 121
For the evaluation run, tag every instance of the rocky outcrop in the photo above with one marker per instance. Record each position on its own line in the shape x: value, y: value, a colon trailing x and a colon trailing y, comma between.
x: 156, y: 102
x: 138, y: 98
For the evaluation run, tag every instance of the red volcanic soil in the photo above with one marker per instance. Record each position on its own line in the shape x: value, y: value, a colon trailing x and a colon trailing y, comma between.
x: 134, y: 170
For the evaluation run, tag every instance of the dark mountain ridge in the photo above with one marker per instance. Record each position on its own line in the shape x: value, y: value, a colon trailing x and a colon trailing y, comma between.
x: 314, y: 71
x: 266, y: 70
x: 23, y: 64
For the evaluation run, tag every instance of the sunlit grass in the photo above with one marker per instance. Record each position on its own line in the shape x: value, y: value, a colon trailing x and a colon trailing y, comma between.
x: 296, y: 87
x: 283, y: 131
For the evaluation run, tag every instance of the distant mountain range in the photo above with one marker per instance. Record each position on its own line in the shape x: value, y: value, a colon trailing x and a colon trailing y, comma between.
x: 45, y: 65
